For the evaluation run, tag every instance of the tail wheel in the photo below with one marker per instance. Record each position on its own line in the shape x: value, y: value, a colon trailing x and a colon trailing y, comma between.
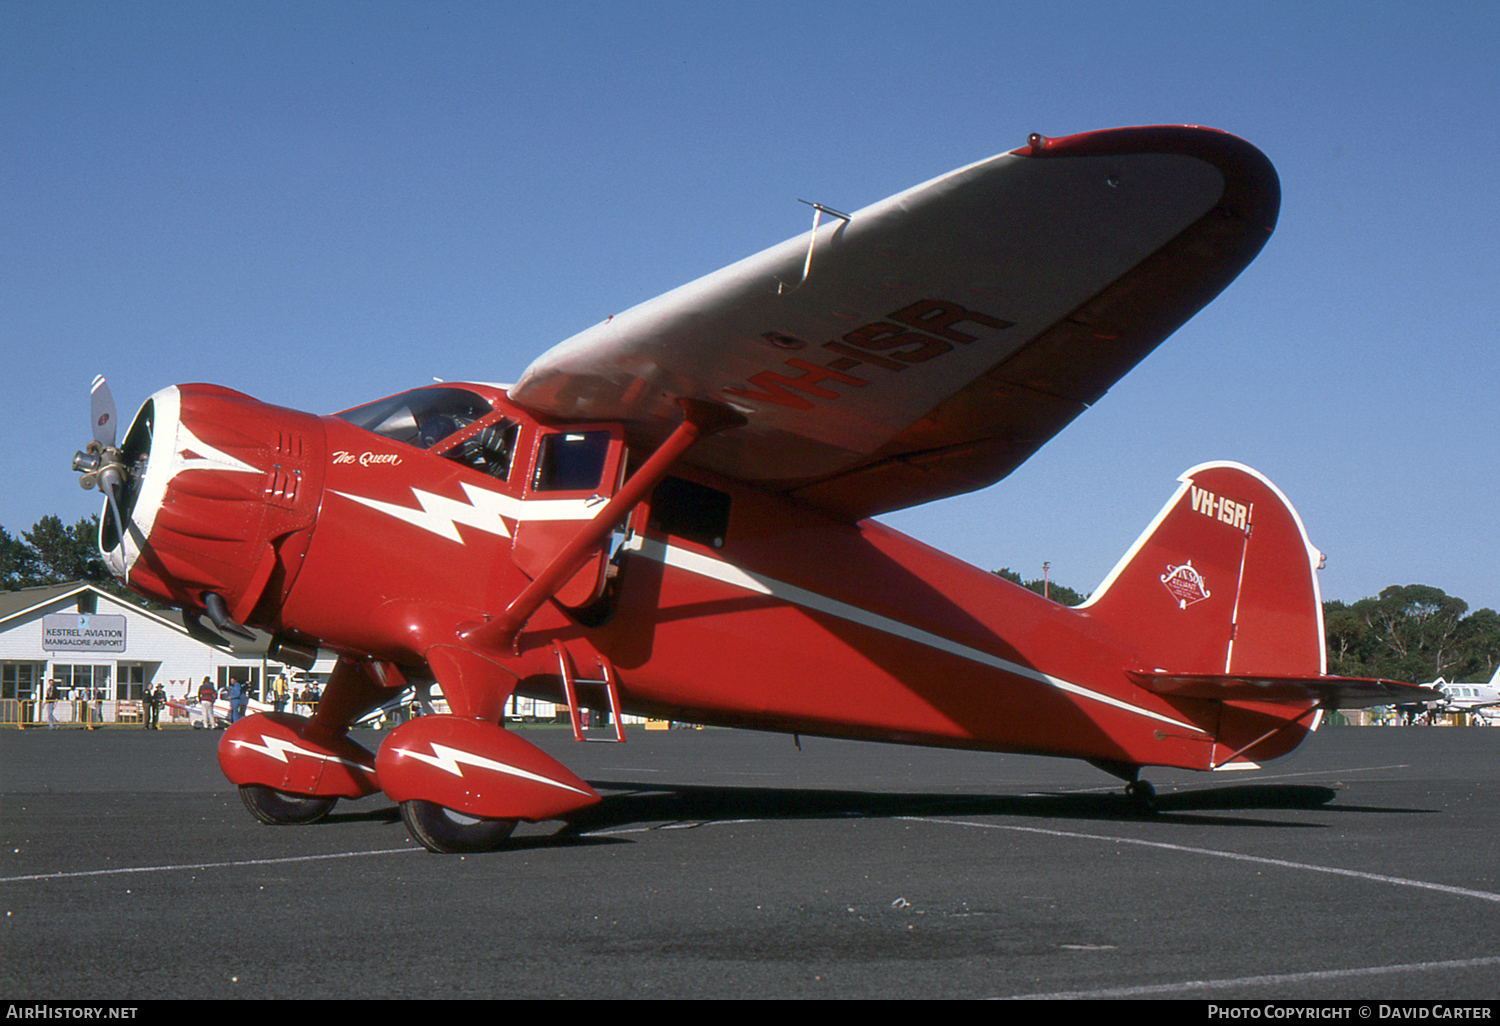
x: 1143, y: 796
x: 277, y: 808
x: 451, y: 833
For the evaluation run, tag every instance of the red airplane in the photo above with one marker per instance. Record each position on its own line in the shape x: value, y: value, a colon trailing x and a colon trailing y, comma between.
x: 672, y: 510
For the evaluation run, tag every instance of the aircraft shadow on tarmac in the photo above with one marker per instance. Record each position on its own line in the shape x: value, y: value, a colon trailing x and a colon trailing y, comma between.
x: 631, y: 804
x: 628, y: 803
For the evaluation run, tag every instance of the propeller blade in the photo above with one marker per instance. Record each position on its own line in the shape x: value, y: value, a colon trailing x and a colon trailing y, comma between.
x: 100, y: 462
x: 102, y: 412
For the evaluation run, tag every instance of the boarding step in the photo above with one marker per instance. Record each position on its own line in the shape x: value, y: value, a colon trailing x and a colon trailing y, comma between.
x: 572, y: 683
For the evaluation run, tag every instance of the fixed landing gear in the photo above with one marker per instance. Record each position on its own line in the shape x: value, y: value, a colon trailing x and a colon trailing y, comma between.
x: 464, y: 783
x: 447, y: 832
x: 277, y: 808
x: 1141, y: 794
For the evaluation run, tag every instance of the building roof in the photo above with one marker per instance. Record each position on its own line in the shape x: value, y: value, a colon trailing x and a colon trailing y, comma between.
x: 24, y: 601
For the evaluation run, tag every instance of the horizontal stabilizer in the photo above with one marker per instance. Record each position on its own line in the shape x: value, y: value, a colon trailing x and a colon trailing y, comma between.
x: 1328, y: 692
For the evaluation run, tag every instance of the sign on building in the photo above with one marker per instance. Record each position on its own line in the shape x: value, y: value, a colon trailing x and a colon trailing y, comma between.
x: 83, y: 632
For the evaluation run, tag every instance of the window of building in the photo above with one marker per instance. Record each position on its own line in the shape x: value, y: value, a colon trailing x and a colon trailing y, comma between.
x: 247, y: 675
x: 21, y: 680
x: 82, y: 681
x: 130, y: 684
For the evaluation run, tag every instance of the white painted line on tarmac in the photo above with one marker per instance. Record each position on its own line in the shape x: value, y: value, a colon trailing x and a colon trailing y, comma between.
x: 205, y: 865
x: 1399, y: 881
x: 1278, y: 980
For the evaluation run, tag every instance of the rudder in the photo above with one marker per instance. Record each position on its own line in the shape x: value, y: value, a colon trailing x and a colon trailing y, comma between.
x: 1223, y: 581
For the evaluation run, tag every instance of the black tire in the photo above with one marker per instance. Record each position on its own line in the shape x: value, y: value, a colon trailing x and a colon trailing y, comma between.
x: 447, y: 832
x: 277, y: 808
x: 1143, y: 796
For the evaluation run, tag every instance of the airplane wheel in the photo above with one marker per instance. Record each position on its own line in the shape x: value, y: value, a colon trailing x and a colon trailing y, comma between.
x: 450, y: 833
x: 277, y: 808
x: 1143, y: 796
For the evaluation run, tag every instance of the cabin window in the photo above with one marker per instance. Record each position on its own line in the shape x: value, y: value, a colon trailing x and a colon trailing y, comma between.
x: 489, y: 449
x: 571, y: 461
x: 691, y: 511
x: 422, y: 417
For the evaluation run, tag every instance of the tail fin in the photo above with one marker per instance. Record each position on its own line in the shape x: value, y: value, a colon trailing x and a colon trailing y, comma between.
x: 1224, y: 581
x: 1218, y: 604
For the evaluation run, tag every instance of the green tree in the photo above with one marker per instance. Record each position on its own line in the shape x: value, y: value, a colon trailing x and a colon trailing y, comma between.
x: 15, y: 562
x: 1060, y: 593
x: 55, y: 553
x: 1479, y: 641
x: 1348, y: 639
x: 1417, y: 628
x: 1412, y: 632
x: 61, y: 553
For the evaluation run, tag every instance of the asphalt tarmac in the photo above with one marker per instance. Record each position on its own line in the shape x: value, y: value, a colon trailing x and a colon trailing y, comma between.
x: 727, y: 864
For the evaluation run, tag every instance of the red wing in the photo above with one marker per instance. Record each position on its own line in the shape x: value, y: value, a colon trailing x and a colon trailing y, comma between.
x: 932, y: 342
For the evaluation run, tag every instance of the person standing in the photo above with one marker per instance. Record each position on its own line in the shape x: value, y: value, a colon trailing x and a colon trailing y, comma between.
x: 236, y: 700
x: 279, y: 692
x: 207, y: 695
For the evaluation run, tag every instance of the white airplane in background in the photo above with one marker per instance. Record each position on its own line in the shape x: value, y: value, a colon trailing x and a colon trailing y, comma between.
x: 1480, y: 699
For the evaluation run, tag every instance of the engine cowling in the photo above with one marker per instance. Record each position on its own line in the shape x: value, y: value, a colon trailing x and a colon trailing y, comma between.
x: 223, y: 496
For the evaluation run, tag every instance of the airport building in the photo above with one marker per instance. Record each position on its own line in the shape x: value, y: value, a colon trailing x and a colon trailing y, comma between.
x: 101, y: 654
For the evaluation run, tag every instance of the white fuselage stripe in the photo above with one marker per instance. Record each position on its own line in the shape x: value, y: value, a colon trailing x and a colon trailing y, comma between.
x: 716, y: 569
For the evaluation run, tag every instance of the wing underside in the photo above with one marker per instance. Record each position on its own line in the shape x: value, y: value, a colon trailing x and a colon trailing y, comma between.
x: 930, y: 343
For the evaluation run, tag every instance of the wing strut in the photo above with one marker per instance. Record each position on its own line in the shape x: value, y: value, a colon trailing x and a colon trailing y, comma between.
x: 699, y: 419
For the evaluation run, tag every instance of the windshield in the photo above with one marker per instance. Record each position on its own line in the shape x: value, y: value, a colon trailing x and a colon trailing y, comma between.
x: 422, y: 417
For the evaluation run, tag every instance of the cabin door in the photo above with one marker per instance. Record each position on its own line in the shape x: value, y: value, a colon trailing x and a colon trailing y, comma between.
x: 573, y: 473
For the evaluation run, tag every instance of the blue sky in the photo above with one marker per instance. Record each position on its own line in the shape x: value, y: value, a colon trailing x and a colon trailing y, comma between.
x: 323, y: 203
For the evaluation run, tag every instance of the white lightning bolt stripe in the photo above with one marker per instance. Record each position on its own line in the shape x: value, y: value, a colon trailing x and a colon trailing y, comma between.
x: 452, y: 760
x: 706, y: 566
x: 277, y: 748
x: 485, y: 509
x: 441, y: 515
x: 205, y: 456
